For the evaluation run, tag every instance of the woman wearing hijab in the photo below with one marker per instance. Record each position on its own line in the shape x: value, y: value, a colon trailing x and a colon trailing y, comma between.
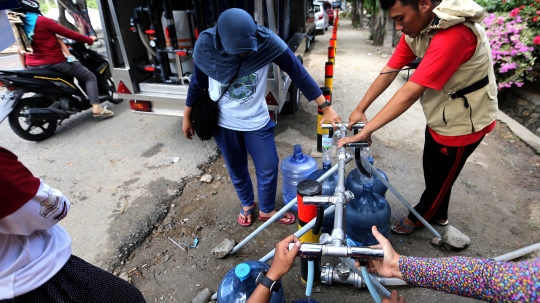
x: 237, y: 45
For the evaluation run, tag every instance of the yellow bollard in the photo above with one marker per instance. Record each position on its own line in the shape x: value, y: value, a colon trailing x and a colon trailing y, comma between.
x: 329, y: 75
x: 307, y: 213
x: 331, y: 55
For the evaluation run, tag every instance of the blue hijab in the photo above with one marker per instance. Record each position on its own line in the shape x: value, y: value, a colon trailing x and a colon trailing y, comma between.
x: 217, y: 49
x: 29, y: 23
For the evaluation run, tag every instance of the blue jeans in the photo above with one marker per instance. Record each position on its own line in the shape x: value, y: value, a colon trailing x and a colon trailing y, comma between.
x: 260, y: 144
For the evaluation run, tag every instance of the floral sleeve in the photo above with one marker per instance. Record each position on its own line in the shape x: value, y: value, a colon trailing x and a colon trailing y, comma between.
x: 485, y: 279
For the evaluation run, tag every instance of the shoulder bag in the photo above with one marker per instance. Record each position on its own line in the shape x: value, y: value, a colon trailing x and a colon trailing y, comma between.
x: 205, y: 112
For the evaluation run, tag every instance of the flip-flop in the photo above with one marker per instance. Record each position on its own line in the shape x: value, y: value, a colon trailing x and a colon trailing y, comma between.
x: 410, y: 228
x: 104, y: 113
x: 246, y: 213
x: 291, y: 218
x: 439, y: 222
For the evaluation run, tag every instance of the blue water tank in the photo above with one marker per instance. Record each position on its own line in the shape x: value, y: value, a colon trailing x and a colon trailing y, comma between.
x: 364, y: 211
x: 239, y: 283
x: 294, y: 169
x: 328, y: 189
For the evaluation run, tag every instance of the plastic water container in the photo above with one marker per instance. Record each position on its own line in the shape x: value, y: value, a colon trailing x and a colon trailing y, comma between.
x: 239, y: 283
x: 354, y: 181
x: 363, y: 212
x: 294, y: 169
x: 328, y: 189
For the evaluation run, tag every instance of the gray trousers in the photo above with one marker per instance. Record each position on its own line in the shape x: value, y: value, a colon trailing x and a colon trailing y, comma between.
x: 75, y: 69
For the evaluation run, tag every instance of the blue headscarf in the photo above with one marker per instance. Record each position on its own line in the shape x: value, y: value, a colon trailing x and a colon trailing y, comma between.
x: 29, y: 23
x: 217, y: 49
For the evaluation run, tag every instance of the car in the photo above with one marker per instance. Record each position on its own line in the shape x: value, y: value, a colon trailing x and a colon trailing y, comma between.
x: 321, y: 17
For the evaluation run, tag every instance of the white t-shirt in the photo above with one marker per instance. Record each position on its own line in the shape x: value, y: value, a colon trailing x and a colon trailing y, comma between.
x: 243, y: 107
x: 32, y: 247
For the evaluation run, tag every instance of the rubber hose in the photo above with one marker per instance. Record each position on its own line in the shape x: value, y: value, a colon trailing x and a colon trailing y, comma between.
x: 310, y: 276
x: 369, y: 285
x: 383, y: 292
x: 319, y: 221
x: 359, y: 165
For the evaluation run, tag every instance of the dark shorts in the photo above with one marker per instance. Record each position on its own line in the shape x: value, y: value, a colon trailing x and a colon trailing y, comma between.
x: 80, y: 281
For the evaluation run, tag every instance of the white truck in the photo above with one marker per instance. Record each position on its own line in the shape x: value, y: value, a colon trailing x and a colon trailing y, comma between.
x: 150, y: 44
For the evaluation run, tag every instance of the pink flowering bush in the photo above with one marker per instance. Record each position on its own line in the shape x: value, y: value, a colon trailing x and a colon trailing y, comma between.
x: 515, y: 44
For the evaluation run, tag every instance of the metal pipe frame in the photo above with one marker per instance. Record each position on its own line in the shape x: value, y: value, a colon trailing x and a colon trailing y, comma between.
x: 283, y: 210
x: 355, y: 252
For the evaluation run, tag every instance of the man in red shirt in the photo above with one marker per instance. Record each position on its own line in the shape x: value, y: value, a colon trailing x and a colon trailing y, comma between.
x: 48, y: 53
x: 456, y: 84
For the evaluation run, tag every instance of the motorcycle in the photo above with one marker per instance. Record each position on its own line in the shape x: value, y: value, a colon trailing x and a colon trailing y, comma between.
x: 53, y: 97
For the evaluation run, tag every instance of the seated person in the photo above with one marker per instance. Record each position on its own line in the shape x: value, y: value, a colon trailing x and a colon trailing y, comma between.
x: 36, y: 264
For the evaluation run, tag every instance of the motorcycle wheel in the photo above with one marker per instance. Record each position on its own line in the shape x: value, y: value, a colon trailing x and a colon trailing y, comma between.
x: 31, y: 131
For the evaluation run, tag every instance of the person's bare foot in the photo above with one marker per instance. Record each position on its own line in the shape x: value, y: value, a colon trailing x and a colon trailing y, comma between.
x: 246, y: 218
x: 404, y: 226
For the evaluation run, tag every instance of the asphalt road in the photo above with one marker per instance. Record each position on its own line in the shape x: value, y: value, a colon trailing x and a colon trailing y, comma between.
x: 115, y: 173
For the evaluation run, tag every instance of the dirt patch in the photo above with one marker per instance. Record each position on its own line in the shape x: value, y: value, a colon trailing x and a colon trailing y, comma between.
x: 495, y: 200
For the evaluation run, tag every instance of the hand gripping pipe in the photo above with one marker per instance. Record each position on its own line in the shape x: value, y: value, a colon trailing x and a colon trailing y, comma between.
x: 363, y: 254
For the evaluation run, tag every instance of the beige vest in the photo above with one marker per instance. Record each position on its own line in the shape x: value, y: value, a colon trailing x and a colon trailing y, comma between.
x: 450, y: 117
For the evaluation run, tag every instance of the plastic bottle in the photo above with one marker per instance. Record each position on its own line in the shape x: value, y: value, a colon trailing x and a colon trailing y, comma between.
x: 363, y: 212
x: 354, y: 179
x: 239, y: 283
x: 328, y: 186
x: 294, y: 169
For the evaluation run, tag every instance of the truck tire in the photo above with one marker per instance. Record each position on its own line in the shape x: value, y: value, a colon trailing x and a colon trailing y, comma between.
x: 35, y: 131
x: 292, y: 105
x: 308, y: 43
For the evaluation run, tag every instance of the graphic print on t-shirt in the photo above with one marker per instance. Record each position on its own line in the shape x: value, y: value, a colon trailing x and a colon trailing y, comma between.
x: 242, y: 89
x: 50, y: 205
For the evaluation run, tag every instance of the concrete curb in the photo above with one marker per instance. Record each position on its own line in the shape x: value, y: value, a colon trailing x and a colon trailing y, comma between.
x: 521, y: 131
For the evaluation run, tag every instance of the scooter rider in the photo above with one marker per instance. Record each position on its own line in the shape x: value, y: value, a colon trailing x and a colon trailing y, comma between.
x: 48, y: 53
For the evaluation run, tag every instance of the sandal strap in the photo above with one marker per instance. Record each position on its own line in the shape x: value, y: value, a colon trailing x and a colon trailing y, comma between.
x: 409, y: 227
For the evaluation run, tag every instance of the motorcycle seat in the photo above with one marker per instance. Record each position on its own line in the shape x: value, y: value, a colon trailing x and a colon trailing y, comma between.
x: 44, y: 72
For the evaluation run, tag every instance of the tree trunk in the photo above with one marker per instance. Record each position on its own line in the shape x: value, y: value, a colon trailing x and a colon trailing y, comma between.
x: 355, y: 16
x: 63, y: 21
x: 378, y: 23
x: 82, y: 4
x: 79, y: 12
x: 361, y: 9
